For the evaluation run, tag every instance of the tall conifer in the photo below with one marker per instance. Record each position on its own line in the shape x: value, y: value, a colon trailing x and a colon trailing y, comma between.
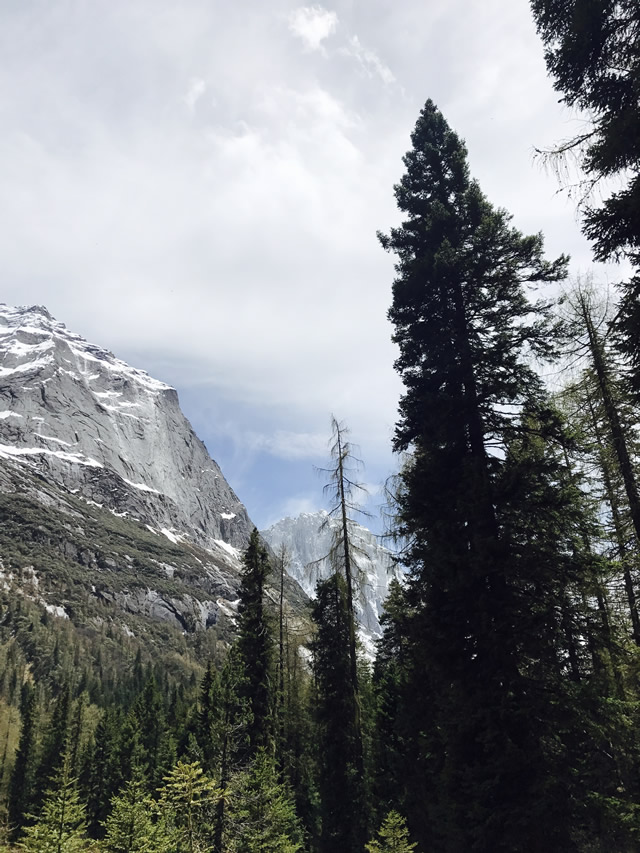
x: 466, y: 332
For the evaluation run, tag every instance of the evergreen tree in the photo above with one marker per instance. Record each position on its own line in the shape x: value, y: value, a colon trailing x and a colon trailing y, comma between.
x: 466, y: 331
x: 158, y: 752
x: 102, y: 777
x: 230, y: 735
x: 22, y: 790
x: 340, y: 782
x: 187, y: 803
x: 130, y: 828
x: 393, y: 836
x: 262, y: 812
x: 254, y: 643
x: 342, y: 555
x: 57, y: 739
x: 206, y: 716
x: 592, y: 50
x: 60, y: 827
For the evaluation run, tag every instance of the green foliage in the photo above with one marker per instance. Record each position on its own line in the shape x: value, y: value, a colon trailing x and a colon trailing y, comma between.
x: 22, y: 785
x: 490, y: 517
x: 186, y: 805
x: 254, y: 643
x: 393, y: 836
x: 262, y: 816
x: 60, y: 827
x: 131, y: 828
x: 592, y: 52
x: 340, y: 781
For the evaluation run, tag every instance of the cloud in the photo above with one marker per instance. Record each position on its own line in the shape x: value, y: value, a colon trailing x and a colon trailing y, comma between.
x: 285, y: 444
x: 369, y: 61
x: 197, y: 88
x: 313, y: 24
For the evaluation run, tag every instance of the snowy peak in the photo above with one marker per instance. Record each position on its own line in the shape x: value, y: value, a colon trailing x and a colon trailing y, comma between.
x: 88, y: 421
x: 308, y: 541
x: 30, y: 340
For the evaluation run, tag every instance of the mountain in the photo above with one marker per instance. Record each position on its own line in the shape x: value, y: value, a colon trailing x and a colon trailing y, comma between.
x: 112, y: 512
x: 308, y: 545
x: 87, y: 421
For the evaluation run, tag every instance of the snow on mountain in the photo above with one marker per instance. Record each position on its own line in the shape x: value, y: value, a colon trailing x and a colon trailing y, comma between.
x: 88, y: 421
x: 309, y: 545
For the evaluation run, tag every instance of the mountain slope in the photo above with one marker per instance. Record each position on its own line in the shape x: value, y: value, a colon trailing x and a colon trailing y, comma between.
x: 87, y: 421
x: 112, y: 512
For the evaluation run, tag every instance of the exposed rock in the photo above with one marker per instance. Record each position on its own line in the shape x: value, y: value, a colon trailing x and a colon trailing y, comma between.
x: 87, y: 421
x: 308, y: 545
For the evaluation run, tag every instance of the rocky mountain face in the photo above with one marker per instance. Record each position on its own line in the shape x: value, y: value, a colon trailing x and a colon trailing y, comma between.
x: 308, y: 541
x: 87, y: 421
x: 111, y: 509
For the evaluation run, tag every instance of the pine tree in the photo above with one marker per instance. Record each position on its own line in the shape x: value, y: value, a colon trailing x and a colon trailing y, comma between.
x: 157, y: 750
x: 254, y: 643
x: 262, y: 811
x: 230, y: 735
x: 592, y: 50
x: 102, y: 776
x: 340, y: 782
x: 57, y: 739
x: 187, y: 803
x: 206, y: 716
x: 342, y: 556
x: 393, y: 836
x: 22, y: 791
x: 130, y: 828
x: 60, y: 827
x: 466, y: 331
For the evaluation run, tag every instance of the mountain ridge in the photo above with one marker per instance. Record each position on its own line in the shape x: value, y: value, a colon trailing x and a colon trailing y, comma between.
x: 307, y: 538
x: 87, y: 420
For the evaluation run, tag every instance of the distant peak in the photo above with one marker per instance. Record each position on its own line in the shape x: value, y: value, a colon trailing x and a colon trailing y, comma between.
x: 38, y: 309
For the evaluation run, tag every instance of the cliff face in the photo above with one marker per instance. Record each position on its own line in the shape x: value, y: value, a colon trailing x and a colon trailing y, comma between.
x: 112, y: 512
x: 75, y: 414
x: 308, y: 546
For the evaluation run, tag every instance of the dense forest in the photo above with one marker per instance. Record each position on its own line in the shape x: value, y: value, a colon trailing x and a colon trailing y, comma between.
x: 502, y: 711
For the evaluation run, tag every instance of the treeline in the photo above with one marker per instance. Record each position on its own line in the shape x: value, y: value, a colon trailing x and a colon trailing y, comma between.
x: 266, y: 751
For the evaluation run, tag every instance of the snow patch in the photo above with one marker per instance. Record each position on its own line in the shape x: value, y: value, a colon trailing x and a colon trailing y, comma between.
x: 36, y: 364
x: 51, y: 438
x: 142, y: 487
x: 8, y: 451
x: 5, y: 415
x: 172, y: 537
x: 228, y: 548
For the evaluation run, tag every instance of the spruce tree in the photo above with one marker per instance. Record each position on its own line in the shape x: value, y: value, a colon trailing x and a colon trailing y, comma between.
x: 466, y: 332
x: 592, y: 50
x: 187, y: 805
x: 130, y: 828
x: 60, y: 827
x: 340, y: 781
x: 393, y: 836
x: 254, y: 643
x: 22, y: 786
x: 262, y: 813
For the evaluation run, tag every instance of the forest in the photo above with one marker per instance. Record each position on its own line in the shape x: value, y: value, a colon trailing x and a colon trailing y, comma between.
x: 502, y: 711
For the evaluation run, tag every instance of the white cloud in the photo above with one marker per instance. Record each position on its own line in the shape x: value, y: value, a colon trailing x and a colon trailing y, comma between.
x: 197, y: 88
x: 369, y: 61
x: 285, y: 444
x: 313, y: 24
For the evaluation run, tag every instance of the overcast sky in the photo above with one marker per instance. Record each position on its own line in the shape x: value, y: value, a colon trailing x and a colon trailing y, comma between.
x: 197, y: 185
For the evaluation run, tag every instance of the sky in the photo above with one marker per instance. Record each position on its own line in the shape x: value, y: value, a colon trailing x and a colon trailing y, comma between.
x: 197, y: 184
